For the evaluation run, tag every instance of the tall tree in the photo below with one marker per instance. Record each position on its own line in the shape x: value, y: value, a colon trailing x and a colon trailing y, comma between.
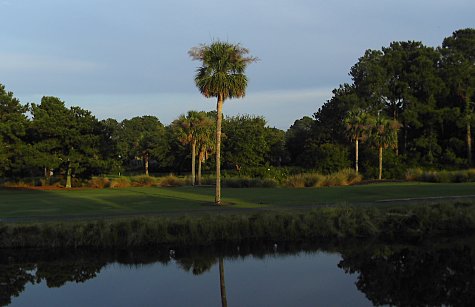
x: 13, y: 123
x: 66, y: 138
x: 297, y: 136
x: 358, y: 124
x: 277, y: 155
x: 384, y: 136
x: 246, y: 143
x: 412, y: 85
x: 144, y: 138
x: 221, y: 75
x: 458, y: 65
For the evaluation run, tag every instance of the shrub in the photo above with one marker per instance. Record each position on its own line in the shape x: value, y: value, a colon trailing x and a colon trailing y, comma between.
x: 99, y: 182
x: 246, y: 182
x: 295, y: 181
x: 342, y: 177
x: 171, y: 181
x: 413, y: 174
x: 417, y: 174
x: 121, y: 182
x: 143, y: 181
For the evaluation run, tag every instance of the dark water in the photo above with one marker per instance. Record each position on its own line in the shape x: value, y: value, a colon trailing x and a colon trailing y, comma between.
x: 358, y: 274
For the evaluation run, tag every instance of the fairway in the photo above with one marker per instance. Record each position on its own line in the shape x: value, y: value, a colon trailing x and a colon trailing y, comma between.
x: 31, y: 204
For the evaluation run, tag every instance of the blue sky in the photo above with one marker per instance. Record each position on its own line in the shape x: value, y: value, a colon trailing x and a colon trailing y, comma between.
x: 122, y: 59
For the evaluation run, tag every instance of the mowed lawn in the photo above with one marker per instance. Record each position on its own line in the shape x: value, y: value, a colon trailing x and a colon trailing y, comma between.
x: 22, y: 203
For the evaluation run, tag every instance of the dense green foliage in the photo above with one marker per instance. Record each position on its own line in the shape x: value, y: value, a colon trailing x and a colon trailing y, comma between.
x: 428, y: 92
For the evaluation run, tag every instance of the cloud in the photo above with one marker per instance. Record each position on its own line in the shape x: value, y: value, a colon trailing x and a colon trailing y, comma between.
x: 35, y: 63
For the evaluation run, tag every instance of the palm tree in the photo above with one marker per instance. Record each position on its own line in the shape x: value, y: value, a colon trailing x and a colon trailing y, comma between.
x: 384, y: 135
x: 222, y: 76
x: 190, y: 129
x: 205, y: 142
x: 358, y: 123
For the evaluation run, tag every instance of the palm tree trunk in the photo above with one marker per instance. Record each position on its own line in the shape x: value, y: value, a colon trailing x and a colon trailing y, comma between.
x: 469, y: 144
x: 356, y: 155
x: 68, y: 176
x: 200, y: 158
x: 380, y: 162
x: 222, y: 286
x: 193, y: 162
x: 145, y: 158
x: 219, y: 119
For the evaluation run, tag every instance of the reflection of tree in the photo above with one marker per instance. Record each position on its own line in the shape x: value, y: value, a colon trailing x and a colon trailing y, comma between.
x: 57, y: 267
x: 197, y: 265
x: 222, y: 285
x: 56, y: 274
x: 13, y: 278
x: 414, y: 276
x: 395, y: 275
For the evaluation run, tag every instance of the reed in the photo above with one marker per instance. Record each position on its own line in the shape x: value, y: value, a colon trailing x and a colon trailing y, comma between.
x: 326, y: 224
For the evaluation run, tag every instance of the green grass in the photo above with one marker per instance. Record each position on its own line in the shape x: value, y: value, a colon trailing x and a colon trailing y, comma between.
x: 31, y: 204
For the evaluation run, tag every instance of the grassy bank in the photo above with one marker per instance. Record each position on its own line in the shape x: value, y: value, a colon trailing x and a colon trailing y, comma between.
x: 323, y: 224
x: 134, y: 217
x: 27, y: 204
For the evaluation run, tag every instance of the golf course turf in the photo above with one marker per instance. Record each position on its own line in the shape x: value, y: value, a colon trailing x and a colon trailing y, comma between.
x: 58, y: 204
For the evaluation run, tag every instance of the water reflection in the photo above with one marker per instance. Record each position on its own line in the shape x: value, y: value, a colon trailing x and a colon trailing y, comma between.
x: 222, y: 286
x: 440, y: 273
x: 435, y: 273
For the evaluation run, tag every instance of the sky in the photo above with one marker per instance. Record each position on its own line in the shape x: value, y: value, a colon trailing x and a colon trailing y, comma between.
x: 121, y: 59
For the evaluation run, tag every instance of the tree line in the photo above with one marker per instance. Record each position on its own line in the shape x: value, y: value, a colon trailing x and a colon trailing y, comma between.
x: 415, y: 100
x: 50, y: 138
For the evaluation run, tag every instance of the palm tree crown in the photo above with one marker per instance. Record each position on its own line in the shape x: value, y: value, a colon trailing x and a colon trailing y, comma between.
x: 222, y: 70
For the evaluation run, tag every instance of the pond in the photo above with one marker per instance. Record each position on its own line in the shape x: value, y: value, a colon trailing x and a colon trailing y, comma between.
x: 259, y: 274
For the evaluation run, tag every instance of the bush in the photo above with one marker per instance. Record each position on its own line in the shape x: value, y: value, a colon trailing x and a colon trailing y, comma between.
x: 121, y: 182
x: 99, y: 182
x: 342, y: 177
x: 171, y: 181
x: 295, y: 181
x: 417, y: 174
x: 246, y: 182
x: 144, y: 181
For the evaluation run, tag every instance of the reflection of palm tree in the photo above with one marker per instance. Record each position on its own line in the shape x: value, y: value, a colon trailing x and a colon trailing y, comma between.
x: 224, y: 301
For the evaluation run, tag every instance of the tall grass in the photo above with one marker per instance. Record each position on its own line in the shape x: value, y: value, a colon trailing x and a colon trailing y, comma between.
x: 418, y: 174
x: 323, y: 224
x: 241, y: 182
x: 172, y: 181
x: 99, y: 182
x: 120, y: 182
x: 343, y: 177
